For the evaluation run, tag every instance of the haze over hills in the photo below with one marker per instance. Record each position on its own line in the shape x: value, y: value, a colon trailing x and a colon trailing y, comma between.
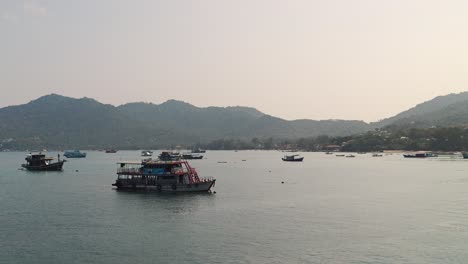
x: 59, y: 122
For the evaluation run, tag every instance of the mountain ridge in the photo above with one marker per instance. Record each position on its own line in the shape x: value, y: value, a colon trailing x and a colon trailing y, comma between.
x: 56, y: 121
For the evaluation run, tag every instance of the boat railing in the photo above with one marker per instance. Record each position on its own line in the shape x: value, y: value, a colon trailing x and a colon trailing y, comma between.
x: 128, y: 170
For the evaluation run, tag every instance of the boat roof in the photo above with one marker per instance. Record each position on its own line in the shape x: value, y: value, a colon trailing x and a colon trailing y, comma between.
x: 134, y: 162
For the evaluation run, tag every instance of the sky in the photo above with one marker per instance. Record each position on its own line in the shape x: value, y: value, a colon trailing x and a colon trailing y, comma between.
x: 295, y: 59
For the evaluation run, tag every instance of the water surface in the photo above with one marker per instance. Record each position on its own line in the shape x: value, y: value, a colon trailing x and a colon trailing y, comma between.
x: 329, y: 210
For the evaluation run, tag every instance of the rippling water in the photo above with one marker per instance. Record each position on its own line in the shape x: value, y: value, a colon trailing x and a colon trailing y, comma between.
x: 329, y: 210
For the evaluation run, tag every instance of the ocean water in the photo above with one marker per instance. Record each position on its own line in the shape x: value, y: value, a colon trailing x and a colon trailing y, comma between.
x: 329, y: 210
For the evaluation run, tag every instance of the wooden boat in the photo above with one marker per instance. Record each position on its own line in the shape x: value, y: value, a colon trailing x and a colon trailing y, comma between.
x: 39, y: 162
x: 161, y: 176
x: 294, y: 158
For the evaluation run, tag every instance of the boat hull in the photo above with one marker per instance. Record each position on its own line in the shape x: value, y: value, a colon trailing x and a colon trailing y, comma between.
x: 192, y: 157
x: 75, y: 156
x: 293, y: 160
x: 57, y: 166
x: 194, y: 187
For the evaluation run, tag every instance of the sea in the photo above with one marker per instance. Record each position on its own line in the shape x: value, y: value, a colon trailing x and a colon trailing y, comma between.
x: 326, y: 209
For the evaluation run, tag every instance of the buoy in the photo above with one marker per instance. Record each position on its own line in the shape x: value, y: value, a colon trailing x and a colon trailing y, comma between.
x: 214, y: 192
x: 76, y: 171
x: 282, y: 182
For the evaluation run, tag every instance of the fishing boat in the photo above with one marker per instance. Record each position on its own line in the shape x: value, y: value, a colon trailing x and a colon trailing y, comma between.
x: 147, y: 153
x: 161, y: 176
x: 39, y: 162
x: 420, y: 155
x: 169, y: 156
x: 328, y: 153
x: 198, y: 150
x: 340, y: 155
x: 295, y: 157
x: 190, y: 156
x: 350, y: 156
x: 375, y: 155
x: 111, y: 151
x: 74, y: 154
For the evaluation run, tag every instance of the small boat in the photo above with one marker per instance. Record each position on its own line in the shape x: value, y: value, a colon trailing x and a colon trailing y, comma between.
x: 168, y: 156
x: 147, y: 153
x: 190, y: 156
x: 74, y: 154
x: 377, y: 155
x: 198, y: 150
x: 420, y: 155
x: 161, y: 176
x: 361, y: 152
x: 328, y: 153
x: 296, y: 158
x: 111, y: 151
x: 350, y: 156
x: 340, y: 155
x: 39, y: 162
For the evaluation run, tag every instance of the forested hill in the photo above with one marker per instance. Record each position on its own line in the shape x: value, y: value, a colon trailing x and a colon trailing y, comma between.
x: 59, y: 122
x: 442, y: 111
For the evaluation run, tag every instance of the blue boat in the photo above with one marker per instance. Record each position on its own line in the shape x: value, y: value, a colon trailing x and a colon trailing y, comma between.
x: 74, y: 154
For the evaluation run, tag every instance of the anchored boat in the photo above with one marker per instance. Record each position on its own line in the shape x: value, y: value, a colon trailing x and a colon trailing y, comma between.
x: 169, y: 156
x: 147, y: 153
x: 420, y: 155
x: 190, y: 156
x: 39, y: 162
x: 74, y: 154
x: 160, y: 175
x: 198, y: 150
x: 295, y: 157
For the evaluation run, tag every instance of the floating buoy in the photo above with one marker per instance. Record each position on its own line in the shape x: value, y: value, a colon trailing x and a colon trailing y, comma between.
x: 76, y: 170
x: 282, y: 182
x: 214, y: 192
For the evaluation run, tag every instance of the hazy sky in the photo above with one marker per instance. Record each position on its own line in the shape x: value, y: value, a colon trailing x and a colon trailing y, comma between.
x: 346, y: 59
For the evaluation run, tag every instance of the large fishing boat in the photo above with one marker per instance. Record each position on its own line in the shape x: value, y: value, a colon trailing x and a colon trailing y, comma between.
x: 39, y: 162
x: 162, y: 176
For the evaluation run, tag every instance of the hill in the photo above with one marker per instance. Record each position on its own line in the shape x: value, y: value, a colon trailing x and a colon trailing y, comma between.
x: 448, y: 110
x: 59, y: 122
